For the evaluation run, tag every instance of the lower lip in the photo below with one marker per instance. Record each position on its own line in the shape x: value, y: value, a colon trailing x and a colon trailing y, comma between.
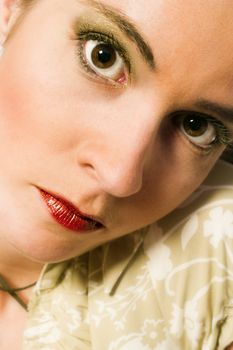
x: 67, y: 216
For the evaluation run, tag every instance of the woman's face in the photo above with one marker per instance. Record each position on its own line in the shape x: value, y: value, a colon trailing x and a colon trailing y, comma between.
x: 121, y: 109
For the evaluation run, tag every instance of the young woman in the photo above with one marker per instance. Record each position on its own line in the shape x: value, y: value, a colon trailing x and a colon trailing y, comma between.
x: 112, y: 113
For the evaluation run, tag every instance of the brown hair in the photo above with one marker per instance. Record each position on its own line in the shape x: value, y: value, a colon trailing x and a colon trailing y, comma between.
x: 23, y: 6
x: 26, y: 3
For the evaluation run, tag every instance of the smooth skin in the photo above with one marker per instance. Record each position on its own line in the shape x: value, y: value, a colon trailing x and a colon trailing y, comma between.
x: 112, y: 148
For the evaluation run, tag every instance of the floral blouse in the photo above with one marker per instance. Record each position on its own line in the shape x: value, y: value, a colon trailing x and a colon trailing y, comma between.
x: 166, y: 287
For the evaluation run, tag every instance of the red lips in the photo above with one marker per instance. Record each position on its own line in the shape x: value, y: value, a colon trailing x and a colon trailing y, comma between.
x: 67, y: 215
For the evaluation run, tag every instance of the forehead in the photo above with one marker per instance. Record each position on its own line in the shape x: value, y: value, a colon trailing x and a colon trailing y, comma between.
x: 186, y: 37
x: 198, y: 15
x: 190, y: 40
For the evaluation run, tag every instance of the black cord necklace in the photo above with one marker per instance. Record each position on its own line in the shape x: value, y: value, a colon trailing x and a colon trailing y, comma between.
x: 13, y: 291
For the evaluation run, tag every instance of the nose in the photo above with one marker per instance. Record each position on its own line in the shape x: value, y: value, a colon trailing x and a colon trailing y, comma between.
x: 120, y: 171
x: 118, y: 154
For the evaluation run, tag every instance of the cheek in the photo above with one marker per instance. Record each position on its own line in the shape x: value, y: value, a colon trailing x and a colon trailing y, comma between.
x: 48, y: 102
x: 33, y: 106
x: 170, y: 183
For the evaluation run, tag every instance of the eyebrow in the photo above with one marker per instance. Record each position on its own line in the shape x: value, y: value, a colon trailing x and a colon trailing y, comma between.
x: 225, y: 112
x: 126, y: 27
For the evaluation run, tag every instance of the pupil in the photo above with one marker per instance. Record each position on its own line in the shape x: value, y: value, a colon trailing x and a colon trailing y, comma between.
x: 103, y: 56
x: 195, y: 125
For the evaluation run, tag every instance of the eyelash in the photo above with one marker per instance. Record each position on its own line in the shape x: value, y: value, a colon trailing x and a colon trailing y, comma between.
x: 87, y: 34
x: 224, y: 136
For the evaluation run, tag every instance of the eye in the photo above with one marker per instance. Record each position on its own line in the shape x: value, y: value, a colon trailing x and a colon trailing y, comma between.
x: 105, y: 61
x: 104, y: 57
x: 201, y: 130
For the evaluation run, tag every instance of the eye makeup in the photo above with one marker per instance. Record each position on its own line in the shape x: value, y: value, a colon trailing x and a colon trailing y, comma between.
x: 85, y: 31
x: 124, y: 25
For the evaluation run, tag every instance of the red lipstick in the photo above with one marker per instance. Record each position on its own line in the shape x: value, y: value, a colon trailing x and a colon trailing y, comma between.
x: 67, y: 215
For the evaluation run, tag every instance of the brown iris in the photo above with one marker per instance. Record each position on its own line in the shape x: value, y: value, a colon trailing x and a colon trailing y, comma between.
x: 103, y: 56
x: 195, y: 125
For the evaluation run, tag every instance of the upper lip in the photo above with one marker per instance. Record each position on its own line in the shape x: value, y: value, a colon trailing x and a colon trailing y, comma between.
x: 73, y: 207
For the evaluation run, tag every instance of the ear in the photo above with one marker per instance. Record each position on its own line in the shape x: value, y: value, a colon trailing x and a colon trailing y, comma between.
x: 8, y: 13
